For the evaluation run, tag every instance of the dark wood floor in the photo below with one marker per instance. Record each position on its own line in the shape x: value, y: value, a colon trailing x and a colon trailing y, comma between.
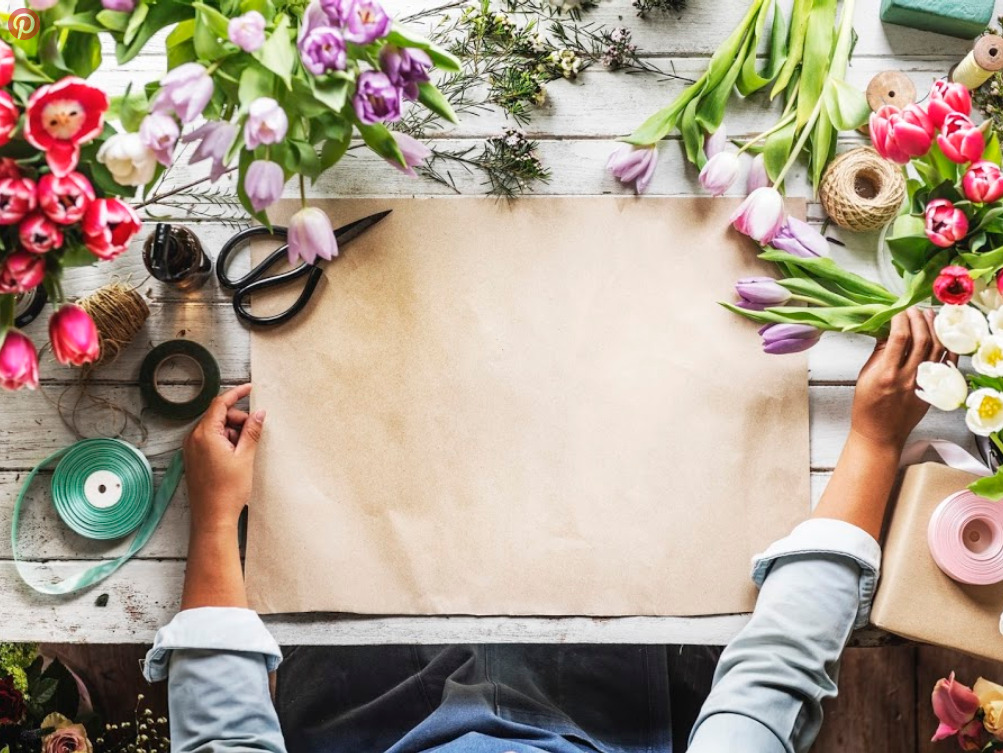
x: 883, y: 705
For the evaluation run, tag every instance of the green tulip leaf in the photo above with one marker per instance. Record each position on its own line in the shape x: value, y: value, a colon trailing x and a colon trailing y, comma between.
x: 795, y: 45
x: 332, y: 92
x: 444, y: 61
x: 87, y: 22
x: 750, y: 79
x: 847, y: 106
x: 214, y: 19
x: 992, y: 152
x: 918, y: 288
x: 990, y: 487
x: 381, y: 140
x: 821, y: 267
x: 278, y: 53
x: 778, y: 150
x: 435, y: 101
x: 811, y: 288
x: 692, y: 135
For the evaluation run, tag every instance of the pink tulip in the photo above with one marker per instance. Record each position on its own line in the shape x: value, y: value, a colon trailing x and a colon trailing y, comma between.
x: 74, y: 337
x: 757, y: 177
x: 9, y: 168
x: 17, y: 198
x: 954, y: 285
x: 761, y: 215
x: 714, y: 143
x: 960, y: 139
x: 634, y: 164
x: 18, y: 362
x: 9, y: 116
x: 899, y: 135
x: 311, y: 236
x: 983, y: 182
x: 6, y: 63
x: 21, y: 272
x: 65, y: 200
x: 414, y: 153
x: 945, y: 223
x: 720, y: 173
x: 39, y: 235
x: 954, y: 705
x: 947, y: 97
x: 108, y: 226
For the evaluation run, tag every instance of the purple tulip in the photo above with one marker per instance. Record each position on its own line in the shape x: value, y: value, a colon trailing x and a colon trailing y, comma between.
x: 263, y: 183
x: 376, y: 99
x: 761, y: 215
x: 323, y: 50
x: 758, y: 293
x: 714, y: 143
x: 364, y: 21
x: 247, y: 31
x: 720, y: 173
x: 266, y: 123
x: 799, y: 238
x: 315, y: 16
x: 414, y: 153
x: 310, y: 236
x: 122, y: 6
x: 406, y: 68
x: 634, y: 164
x: 159, y: 133
x: 757, y: 177
x: 184, y: 91
x: 216, y: 137
x: 788, y: 338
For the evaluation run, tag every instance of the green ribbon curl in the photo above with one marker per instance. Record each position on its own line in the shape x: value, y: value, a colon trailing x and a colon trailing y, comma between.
x: 139, y: 508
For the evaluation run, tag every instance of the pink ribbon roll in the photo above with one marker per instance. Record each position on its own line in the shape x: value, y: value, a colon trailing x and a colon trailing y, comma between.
x: 966, y: 538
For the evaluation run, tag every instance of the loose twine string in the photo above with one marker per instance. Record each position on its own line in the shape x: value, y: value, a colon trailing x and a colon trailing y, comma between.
x: 119, y: 313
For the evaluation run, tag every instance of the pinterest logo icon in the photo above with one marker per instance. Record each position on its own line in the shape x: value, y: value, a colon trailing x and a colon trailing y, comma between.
x: 23, y: 23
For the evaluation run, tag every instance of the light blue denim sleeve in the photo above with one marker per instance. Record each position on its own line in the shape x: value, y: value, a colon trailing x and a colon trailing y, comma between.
x: 216, y: 661
x: 816, y: 586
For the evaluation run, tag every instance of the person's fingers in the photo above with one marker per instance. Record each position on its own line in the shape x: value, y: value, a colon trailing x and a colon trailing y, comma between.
x: 250, y: 434
x: 236, y: 417
x: 951, y: 357
x: 898, y: 340
x: 937, y: 349
x: 234, y: 395
x: 922, y: 342
x: 216, y: 415
x: 233, y: 435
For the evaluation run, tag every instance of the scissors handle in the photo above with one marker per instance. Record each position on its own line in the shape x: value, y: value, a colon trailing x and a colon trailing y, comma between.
x: 241, y: 295
x: 238, y: 241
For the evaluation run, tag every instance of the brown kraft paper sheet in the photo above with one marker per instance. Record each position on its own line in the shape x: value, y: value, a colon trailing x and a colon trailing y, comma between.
x: 525, y: 408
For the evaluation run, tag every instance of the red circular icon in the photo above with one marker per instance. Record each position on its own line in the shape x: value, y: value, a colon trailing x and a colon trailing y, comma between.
x: 23, y: 23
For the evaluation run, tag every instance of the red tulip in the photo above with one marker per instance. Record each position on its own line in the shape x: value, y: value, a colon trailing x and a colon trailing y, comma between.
x: 954, y: 705
x: 17, y: 198
x: 61, y: 117
x: 947, y: 97
x: 6, y: 63
x: 39, y: 234
x: 945, y: 223
x: 8, y: 116
x: 18, y: 362
x: 9, y: 168
x: 65, y: 200
x: 74, y: 337
x: 960, y: 139
x: 983, y: 182
x: 21, y: 272
x: 899, y: 135
x: 954, y: 285
x: 108, y: 226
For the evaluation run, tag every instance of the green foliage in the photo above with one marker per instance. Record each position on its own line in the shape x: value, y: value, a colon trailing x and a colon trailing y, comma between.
x: 15, y: 658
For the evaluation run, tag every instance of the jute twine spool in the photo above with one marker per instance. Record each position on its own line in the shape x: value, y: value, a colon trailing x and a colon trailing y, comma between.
x: 979, y: 65
x: 119, y: 312
x: 861, y: 191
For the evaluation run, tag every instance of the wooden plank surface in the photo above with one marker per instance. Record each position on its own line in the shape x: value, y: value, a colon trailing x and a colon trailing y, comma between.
x: 577, y: 129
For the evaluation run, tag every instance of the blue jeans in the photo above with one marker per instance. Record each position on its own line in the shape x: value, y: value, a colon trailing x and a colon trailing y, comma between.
x: 404, y: 699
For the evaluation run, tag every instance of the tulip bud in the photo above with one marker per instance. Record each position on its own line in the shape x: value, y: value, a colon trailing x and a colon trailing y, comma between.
x: 74, y: 337
x: 947, y: 97
x: 6, y: 63
x: 899, y: 135
x: 954, y: 705
x: 799, y: 238
x: 758, y: 293
x: 960, y: 139
x: 761, y: 215
x: 945, y: 224
x: 788, y: 338
x: 18, y: 362
x: 714, y: 143
x: 983, y: 182
x: 17, y: 198
x: 954, y: 285
x: 720, y: 173
x: 941, y: 385
x: 311, y: 236
x: 757, y: 177
x: 9, y: 116
x: 263, y: 183
x: 634, y: 164
x: 960, y: 328
x: 65, y: 200
x: 266, y: 123
x: 21, y: 272
x: 108, y: 227
x: 39, y: 235
x: 413, y: 150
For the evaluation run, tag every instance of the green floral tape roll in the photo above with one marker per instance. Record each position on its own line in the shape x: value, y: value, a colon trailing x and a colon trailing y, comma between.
x: 179, y: 349
x: 102, y: 489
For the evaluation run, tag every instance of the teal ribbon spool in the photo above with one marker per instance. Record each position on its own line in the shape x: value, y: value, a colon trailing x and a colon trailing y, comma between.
x: 102, y: 489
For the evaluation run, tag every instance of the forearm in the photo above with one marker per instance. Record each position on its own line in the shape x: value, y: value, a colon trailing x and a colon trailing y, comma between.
x: 861, y: 484
x: 214, y: 577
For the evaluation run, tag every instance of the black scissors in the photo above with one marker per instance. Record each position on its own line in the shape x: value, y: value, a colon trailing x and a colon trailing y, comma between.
x: 256, y: 280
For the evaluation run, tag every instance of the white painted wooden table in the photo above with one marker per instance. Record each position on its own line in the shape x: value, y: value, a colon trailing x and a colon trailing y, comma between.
x: 577, y: 129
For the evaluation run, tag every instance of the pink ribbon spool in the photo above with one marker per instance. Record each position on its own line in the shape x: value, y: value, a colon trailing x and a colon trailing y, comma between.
x: 966, y: 539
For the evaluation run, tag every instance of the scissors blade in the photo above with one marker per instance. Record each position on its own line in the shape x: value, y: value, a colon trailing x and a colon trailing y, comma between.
x: 351, y: 231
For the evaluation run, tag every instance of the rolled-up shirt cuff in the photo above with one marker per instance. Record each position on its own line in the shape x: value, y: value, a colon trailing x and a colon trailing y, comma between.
x: 213, y: 629
x: 827, y: 536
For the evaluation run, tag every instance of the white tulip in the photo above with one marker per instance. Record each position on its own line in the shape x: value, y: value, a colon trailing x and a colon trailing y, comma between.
x: 985, y: 411
x: 988, y: 359
x: 995, y: 319
x: 941, y: 385
x: 987, y: 296
x: 960, y: 328
x: 128, y: 159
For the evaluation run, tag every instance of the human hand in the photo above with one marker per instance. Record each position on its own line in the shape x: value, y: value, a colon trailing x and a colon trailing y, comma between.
x: 885, y: 406
x: 219, y: 462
